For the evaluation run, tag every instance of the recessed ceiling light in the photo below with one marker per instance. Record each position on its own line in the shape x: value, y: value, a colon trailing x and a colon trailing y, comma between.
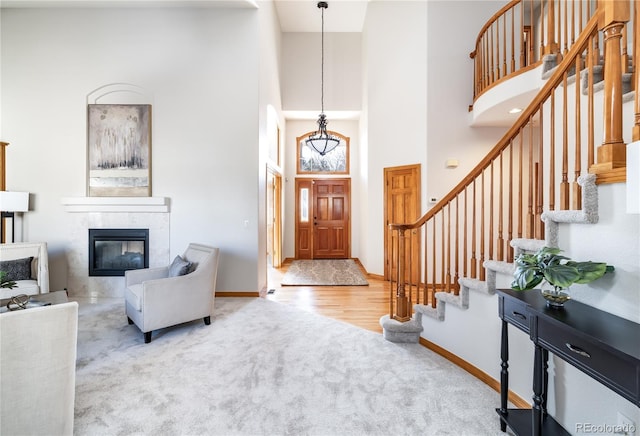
x: 515, y: 110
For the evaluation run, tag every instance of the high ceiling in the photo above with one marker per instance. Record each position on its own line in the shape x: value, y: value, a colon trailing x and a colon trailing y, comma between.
x: 294, y: 15
x: 305, y: 16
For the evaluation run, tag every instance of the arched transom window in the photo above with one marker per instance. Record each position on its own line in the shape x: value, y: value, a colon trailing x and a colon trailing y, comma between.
x: 334, y: 162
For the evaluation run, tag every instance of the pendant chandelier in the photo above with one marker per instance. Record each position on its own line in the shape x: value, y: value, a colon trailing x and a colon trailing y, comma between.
x: 321, y: 141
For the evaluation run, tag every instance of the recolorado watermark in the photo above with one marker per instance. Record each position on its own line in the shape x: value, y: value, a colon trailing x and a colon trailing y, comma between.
x: 587, y: 427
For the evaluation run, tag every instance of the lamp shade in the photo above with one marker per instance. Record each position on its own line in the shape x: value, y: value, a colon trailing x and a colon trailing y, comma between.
x: 14, y: 201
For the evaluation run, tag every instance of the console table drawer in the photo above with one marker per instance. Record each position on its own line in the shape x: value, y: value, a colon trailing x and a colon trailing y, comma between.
x: 516, y: 313
x: 610, y: 369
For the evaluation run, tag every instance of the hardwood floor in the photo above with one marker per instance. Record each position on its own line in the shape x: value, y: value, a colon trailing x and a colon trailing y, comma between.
x: 361, y: 306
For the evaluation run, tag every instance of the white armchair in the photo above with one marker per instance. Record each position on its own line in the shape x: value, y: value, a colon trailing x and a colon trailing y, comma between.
x: 154, y: 299
x: 38, y: 370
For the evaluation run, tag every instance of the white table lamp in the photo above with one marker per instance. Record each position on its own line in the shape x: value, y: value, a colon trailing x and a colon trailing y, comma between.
x: 10, y: 203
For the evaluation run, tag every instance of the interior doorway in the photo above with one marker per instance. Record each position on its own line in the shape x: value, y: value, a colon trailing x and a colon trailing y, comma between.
x: 274, y: 219
x: 323, y: 218
x: 402, y: 205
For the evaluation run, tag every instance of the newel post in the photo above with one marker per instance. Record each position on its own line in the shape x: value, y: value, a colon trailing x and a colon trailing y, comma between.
x: 403, y: 308
x: 611, y: 155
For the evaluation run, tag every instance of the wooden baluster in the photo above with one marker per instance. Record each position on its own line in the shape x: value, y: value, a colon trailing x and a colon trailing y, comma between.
x: 542, y: 49
x: 504, y: 46
x: 493, y: 64
x: 485, y: 40
x: 443, y: 258
x: 491, y: 212
x: 539, y: 224
x: 580, y: 13
x: 530, y: 198
x: 564, y: 26
x: 433, y: 264
x: 520, y: 182
x: 464, y: 238
x: 564, y: 184
x: 590, y: 107
x: 530, y: 59
x: 577, y: 190
x: 482, y: 215
x: 510, y: 206
x: 447, y: 250
x: 573, y: 23
x: 523, y: 47
x: 513, y: 47
x: 473, y: 259
x: 612, y: 153
x: 425, y: 265
x: 500, y: 254
x: 457, y: 248
x: 552, y: 153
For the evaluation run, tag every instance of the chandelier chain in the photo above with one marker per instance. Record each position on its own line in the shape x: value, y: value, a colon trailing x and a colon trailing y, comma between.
x: 322, y: 63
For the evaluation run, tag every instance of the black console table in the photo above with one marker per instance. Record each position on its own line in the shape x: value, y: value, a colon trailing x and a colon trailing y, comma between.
x: 602, y: 345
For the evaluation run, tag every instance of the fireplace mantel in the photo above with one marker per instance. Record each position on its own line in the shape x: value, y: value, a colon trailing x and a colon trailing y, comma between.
x: 116, y: 204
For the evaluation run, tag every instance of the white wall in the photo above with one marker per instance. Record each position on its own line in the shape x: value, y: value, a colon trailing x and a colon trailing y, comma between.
x: 201, y: 67
x: 301, y: 74
x: 450, y: 92
x: 395, y: 119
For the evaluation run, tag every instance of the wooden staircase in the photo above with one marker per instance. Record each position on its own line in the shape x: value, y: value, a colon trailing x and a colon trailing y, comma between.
x: 543, y: 172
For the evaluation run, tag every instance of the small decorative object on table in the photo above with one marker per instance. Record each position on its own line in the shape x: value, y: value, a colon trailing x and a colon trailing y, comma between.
x: 555, y: 272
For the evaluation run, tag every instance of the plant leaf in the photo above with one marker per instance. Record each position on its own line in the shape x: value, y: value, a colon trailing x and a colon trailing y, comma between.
x: 561, y: 275
x: 589, y: 271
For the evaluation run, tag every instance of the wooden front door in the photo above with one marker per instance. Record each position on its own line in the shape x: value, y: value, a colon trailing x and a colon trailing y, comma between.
x: 402, y: 205
x: 323, y: 218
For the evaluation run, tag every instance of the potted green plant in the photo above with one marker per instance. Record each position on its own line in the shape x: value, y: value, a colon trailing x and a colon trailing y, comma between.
x: 548, y: 266
x: 4, y: 283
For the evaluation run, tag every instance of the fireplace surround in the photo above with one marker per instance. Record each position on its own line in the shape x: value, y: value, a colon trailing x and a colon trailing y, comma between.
x: 114, y: 251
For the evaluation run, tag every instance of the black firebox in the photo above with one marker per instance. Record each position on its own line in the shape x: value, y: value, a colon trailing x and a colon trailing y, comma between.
x: 114, y: 251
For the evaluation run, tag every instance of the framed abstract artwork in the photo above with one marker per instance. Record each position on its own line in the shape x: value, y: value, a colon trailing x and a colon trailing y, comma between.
x: 119, y: 150
x: 311, y: 162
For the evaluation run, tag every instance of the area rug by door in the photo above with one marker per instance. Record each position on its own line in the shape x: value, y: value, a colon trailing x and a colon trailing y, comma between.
x: 324, y: 272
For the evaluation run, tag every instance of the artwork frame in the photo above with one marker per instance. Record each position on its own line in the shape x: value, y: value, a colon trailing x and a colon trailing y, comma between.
x: 310, y: 161
x: 119, y: 150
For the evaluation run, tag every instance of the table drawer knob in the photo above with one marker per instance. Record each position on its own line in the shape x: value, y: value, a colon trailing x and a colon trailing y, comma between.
x: 577, y: 350
x: 518, y: 315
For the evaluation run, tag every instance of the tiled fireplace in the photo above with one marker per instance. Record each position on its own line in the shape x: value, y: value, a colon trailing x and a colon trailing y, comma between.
x: 144, y: 213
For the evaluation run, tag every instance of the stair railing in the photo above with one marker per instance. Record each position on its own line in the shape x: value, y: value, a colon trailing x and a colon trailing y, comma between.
x: 536, y: 166
x: 525, y: 32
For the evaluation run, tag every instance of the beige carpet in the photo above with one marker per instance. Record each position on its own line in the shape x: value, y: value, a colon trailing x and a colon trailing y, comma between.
x: 324, y: 272
x: 267, y: 369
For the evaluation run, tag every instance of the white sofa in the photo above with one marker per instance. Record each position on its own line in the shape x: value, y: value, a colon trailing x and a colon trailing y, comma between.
x: 38, y: 283
x: 38, y: 370
x: 154, y: 299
